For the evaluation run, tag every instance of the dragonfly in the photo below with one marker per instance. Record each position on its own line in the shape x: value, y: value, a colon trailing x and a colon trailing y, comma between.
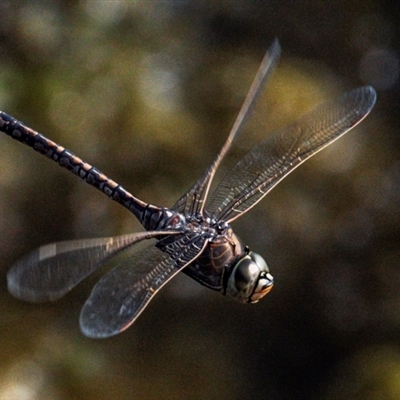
x: 195, y: 235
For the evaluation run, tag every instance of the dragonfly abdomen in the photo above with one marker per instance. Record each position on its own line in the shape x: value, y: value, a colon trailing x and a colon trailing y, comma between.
x: 68, y: 160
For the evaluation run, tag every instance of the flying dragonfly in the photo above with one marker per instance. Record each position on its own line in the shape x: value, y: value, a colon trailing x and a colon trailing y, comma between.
x: 195, y: 235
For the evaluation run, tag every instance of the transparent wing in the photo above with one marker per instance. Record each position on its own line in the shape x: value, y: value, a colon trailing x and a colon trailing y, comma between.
x: 122, y: 294
x: 51, y: 271
x: 193, y: 201
x: 279, y: 154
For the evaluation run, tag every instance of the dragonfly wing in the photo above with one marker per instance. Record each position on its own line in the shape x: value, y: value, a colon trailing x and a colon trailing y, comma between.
x: 122, y: 294
x: 279, y: 154
x: 51, y: 271
x: 193, y: 201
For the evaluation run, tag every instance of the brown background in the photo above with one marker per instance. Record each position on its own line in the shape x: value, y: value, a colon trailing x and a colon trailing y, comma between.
x: 147, y: 91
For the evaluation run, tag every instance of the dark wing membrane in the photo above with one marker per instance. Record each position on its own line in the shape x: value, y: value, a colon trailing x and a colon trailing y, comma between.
x: 193, y: 201
x: 279, y: 154
x: 123, y: 293
x: 51, y: 271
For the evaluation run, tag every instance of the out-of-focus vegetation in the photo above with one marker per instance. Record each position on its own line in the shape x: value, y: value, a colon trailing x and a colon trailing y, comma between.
x: 147, y: 91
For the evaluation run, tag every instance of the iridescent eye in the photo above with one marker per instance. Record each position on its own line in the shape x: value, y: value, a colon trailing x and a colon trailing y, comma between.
x: 250, y: 279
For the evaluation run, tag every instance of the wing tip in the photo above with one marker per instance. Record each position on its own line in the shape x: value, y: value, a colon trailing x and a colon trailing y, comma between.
x: 27, y: 292
x: 371, y: 92
x: 369, y: 96
x: 367, y: 102
x: 93, y: 330
x: 16, y: 289
x: 93, y: 325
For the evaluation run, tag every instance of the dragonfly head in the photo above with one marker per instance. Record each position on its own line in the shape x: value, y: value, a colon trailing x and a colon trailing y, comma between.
x: 250, y: 279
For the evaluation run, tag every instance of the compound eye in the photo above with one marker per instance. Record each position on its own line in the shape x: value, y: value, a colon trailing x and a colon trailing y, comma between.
x: 262, y: 265
x: 250, y: 279
x: 265, y: 279
x: 264, y: 286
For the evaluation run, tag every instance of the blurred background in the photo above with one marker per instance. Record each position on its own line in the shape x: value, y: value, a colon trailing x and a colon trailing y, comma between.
x: 147, y: 92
